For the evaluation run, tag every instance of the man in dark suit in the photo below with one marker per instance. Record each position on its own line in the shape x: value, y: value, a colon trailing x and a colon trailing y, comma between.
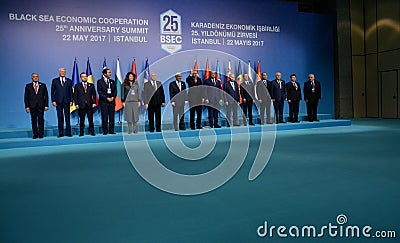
x: 85, y: 101
x: 196, y: 98
x: 263, y: 90
x: 312, y: 95
x: 293, y: 97
x: 247, y: 93
x: 213, y: 97
x: 61, y: 98
x: 154, y: 99
x: 107, y: 89
x: 278, y: 96
x: 232, y: 99
x: 178, y: 101
x: 36, y: 101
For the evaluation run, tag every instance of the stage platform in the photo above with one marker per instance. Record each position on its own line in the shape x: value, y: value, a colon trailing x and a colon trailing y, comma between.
x: 21, y: 138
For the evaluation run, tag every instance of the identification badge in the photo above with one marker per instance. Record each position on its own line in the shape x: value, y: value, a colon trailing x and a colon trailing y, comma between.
x: 109, y: 91
x: 132, y: 92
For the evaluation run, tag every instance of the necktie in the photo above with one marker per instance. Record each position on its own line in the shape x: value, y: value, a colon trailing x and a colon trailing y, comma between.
x: 195, y: 80
x: 84, y: 87
x: 280, y: 84
x: 154, y: 84
x: 62, y: 81
x: 213, y: 81
x: 36, y: 87
x: 233, y: 86
x: 179, y: 85
x: 295, y: 85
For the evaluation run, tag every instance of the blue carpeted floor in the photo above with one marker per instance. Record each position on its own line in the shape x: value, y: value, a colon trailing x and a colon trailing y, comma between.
x: 91, y: 192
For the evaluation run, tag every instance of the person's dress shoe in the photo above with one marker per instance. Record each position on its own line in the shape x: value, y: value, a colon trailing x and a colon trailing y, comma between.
x: 112, y: 133
x: 35, y: 136
x: 217, y: 126
x: 60, y: 135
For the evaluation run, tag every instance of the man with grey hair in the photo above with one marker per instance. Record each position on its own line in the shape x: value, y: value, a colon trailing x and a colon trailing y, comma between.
x: 178, y: 97
x: 232, y: 99
x: 61, y: 98
x: 278, y: 96
x: 154, y: 99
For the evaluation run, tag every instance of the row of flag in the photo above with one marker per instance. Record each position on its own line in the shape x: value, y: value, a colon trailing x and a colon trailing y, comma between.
x: 146, y: 76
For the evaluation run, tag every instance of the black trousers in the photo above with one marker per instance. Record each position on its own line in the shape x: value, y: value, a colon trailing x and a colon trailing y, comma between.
x: 248, y: 111
x: 212, y: 116
x: 278, y: 107
x: 178, y: 114
x: 195, y: 111
x: 312, y: 107
x: 82, y: 112
x: 154, y: 110
x: 265, y: 108
x: 37, y: 119
x: 107, y: 116
x: 294, y: 111
x: 63, y: 111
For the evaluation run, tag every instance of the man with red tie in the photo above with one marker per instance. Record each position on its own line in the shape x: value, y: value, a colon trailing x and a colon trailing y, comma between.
x: 312, y: 95
x: 36, y: 102
x: 85, y: 101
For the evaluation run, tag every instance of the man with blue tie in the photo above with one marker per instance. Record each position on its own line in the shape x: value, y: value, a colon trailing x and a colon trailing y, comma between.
x: 278, y: 96
x: 36, y: 102
x: 85, y: 101
x: 107, y: 89
x: 61, y: 98
x: 213, y: 98
x: 232, y: 99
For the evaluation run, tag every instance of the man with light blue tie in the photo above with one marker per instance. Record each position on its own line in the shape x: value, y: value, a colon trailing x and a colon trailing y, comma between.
x: 61, y: 98
x: 278, y: 96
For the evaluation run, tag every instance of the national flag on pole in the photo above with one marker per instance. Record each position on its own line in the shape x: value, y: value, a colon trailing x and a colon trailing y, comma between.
x: 118, y: 80
x: 90, y: 77
x: 146, y: 76
x: 239, y: 78
x: 207, y: 72
x: 196, y: 67
x: 104, y: 63
x: 258, y: 76
x: 249, y: 72
x: 218, y: 73
x: 134, y: 67
x: 75, y: 81
x: 229, y: 70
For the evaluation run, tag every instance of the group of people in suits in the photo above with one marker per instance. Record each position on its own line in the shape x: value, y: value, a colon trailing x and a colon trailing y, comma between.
x: 210, y: 93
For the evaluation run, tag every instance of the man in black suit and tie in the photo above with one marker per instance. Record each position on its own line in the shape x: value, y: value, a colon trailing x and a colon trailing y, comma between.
x: 263, y: 90
x: 247, y: 93
x: 232, y: 99
x: 278, y: 96
x: 196, y: 98
x: 107, y: 89
x: 293, y: 97
x: 312, y: 95
x: 85, y: 101
x: 154, y: 99
x: 178, y: 101
x: 36, y: 101
x: 213, y: 97
x: 61, y: 98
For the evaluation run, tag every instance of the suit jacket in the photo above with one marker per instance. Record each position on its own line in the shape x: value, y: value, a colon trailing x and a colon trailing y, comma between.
x: 278, y: 92
x: 153, y: 97
x: 309, y: 94
x: 213, y: 95
x: 247, y: 91
x: 174, y: 90
x: 102, y: 90
x: 234, y: 93
x: 61, y: 93
x: 84, y: 99
x: 292, y: 93
x: 33, y: 100
x: 263, y: 90
x: 195, y: 95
